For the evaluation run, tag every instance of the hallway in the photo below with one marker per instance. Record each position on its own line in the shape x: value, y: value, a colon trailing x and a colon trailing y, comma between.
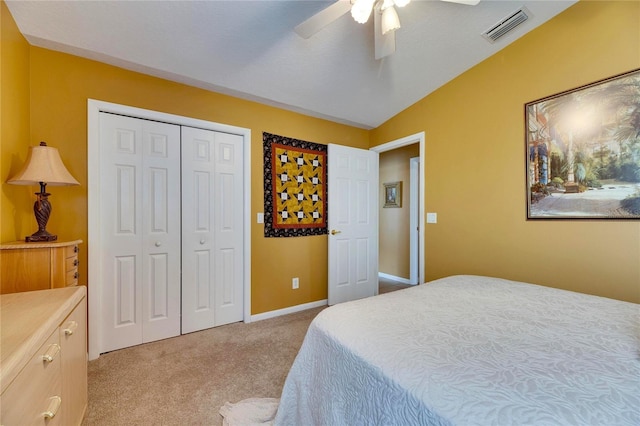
x: 386, y: 285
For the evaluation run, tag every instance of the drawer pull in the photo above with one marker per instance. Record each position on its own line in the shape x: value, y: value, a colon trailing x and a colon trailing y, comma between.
x: 75, y: 262
x: 51, y: 353
x: 54, y: 406
x: 76, y: 249
x: 71, y: 328
x: 75, y: 275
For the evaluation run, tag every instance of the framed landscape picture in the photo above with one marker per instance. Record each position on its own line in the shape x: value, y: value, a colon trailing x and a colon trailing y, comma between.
x: 583, y: 152
x: 392, y: 194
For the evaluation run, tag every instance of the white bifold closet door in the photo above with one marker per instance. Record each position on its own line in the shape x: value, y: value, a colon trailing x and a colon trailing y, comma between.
x: 140, y: 212
x: 172, y: 230
x: 212, y: 233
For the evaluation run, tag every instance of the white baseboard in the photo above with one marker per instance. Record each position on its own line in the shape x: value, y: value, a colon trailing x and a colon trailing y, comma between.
x: 394, y: 278
x: 289, y: 310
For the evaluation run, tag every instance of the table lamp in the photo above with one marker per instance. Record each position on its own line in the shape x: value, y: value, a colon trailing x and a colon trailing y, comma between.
x: 43, y: 166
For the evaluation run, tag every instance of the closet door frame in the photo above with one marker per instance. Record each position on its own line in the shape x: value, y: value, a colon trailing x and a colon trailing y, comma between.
x: 94, y: 108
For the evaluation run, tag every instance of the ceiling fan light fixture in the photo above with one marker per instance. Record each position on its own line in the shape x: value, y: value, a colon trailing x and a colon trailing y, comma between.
x: 385, y: 4
x: 361, y: 10
x: 401, y: 3
x: 390, y: 20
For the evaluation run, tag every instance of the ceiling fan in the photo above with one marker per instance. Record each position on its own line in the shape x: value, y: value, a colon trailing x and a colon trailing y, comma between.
x: 385, y: 20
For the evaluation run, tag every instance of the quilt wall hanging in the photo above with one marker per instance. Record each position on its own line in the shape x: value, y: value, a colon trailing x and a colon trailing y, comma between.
x: 295, y: 187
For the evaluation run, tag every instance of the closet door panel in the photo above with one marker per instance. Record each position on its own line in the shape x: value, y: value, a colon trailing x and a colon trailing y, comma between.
x: 140, y: 181
x: 228, y: 228
x: 120, y: 207
x: 212, y: 233
x: 197, y: 229
x: 161, y: 231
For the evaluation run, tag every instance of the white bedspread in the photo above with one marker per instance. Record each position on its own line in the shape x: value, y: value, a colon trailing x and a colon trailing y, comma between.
x: 468, y: 350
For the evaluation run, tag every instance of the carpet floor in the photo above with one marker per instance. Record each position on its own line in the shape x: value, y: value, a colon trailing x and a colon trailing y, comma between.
x: 185, y: 380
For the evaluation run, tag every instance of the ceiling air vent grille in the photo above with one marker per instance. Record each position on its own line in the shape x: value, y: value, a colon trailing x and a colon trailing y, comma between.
x: 507, y: 24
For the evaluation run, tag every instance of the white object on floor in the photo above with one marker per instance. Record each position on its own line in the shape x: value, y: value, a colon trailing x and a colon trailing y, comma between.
x: 250, y: 412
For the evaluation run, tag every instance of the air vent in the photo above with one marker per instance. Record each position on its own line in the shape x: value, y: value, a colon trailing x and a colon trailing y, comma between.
x: 507, y: 24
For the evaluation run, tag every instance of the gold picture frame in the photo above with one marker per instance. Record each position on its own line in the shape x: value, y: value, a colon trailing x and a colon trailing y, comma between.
x: 392, y: 194
x: 583, y: 152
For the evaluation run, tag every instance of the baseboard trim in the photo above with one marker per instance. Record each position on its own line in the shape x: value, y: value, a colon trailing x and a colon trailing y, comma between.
x: 394, y: 278
x: 289, y: 310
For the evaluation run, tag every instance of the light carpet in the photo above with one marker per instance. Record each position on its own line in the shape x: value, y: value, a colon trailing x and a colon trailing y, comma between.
x: 185, y: 380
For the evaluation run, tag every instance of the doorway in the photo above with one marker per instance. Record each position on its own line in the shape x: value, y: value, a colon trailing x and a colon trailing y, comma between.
x: 417, y: 250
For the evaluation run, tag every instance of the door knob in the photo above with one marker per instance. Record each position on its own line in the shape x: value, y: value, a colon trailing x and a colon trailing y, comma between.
x: 202, y: 241
x: 158, y: 243
x: 334, y: 232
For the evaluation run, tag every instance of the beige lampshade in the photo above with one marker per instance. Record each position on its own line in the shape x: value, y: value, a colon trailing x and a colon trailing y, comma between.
x: 43, y: 165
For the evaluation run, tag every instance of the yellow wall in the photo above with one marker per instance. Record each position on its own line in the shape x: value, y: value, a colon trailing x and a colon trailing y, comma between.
x: 15, y: 201
x: 474, y: 156
x: 60, y: 85
x: 394, y: 222
x: 475, y: 159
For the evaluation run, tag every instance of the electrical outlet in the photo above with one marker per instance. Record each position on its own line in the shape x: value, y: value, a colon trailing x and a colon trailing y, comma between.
x: 295, y: 283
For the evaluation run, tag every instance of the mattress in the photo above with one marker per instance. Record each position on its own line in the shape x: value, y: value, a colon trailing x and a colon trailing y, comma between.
x: 468, y: 350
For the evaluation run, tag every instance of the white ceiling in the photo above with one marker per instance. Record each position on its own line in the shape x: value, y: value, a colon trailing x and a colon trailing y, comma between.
x: 248, y: 49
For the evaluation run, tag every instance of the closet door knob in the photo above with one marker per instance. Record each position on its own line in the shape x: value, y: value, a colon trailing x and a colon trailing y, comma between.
x: 158, y: 243
x: 202, y: 241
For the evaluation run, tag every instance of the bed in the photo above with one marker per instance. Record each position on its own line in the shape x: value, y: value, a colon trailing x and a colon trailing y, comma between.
x: 468, y: 350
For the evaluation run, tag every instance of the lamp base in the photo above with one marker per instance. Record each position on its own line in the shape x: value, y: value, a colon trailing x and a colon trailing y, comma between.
x: 42, y: 210
x: 39, y: 237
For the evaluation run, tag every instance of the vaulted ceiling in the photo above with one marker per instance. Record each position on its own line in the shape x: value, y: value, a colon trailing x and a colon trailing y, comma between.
x: 249, y: 49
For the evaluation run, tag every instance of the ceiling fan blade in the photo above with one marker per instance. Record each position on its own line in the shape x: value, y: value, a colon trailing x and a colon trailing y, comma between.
x: 385, y: 44
x: 322, y: 18
x: 469, y: 2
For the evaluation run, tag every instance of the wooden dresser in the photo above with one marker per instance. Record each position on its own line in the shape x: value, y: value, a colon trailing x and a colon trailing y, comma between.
x: 38, y: 266
x: 43, y: 337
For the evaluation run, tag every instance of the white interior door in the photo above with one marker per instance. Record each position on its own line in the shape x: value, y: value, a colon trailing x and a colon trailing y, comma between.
x: 212, y: 229
x: 140, y: 175
x: 353, y: 223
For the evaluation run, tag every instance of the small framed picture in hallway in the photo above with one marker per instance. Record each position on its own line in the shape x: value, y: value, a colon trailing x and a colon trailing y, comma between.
x: 393, y: 194
x: 583, y: 151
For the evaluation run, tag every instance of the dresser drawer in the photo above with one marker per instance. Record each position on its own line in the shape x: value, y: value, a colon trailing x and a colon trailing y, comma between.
x: 71, y: 250
x: 37, y: 389
x: 72, y: 262
x: 71, y: 265
x: 71, y: 278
